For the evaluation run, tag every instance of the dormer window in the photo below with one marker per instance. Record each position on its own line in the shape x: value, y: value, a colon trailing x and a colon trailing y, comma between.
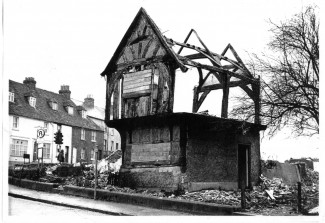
x: 54, y: 105
x: 70, y: 110
x: 83, y: 114
x: 11, y: 97
x: 32, y: 101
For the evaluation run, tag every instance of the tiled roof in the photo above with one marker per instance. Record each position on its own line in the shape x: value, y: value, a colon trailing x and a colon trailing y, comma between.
x: 43, y: 111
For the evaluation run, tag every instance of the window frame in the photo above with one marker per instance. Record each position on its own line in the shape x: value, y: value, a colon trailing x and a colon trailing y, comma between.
x: 92, y: 154
x: 15, y: 122
x: 93, y: 136
x: 83, y: 134
x: 11, y: 96
x: 83, y: 154
x: 45, y: 152
x: 54, y: 105
x: 70, y: 110
x: 83, y: 114
x: 32, y: 101
x: 17, y: 146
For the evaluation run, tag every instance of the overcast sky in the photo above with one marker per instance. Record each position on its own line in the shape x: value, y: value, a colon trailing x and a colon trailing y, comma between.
x: 71, y: 41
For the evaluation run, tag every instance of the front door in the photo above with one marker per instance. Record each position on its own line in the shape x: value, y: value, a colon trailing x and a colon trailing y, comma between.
x: 243, y: 165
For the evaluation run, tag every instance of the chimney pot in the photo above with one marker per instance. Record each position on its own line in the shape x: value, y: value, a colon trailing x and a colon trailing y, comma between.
x: 30, y: 82
x: 65, y: 91
x: 89, y: 102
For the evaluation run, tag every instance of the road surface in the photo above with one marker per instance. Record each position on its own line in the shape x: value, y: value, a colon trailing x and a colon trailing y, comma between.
x: 21, y: 207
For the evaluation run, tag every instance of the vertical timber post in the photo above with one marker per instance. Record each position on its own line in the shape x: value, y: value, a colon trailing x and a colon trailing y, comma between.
x: 225, y: 88
x: 195, y: 99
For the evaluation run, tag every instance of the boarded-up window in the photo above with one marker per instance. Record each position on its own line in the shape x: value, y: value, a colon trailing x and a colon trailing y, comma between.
x: 137, y: 83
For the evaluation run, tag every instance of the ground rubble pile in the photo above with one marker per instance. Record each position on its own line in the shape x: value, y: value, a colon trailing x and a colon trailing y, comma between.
x: 269, y: 193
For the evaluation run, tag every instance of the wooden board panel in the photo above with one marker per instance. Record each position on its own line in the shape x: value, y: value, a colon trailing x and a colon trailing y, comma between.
x: 150, y: 152
x: 137, y: 94
x: 138, y: 80
x: 136, y: 89
x: 135, y: 74
x: 143, y: 108
x: 138, y: 83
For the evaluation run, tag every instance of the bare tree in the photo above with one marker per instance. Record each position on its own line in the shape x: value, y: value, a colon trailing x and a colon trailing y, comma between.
x: 289, y: 77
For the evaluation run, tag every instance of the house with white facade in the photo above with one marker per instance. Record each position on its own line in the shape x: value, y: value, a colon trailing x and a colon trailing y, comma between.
x: 32, y: 109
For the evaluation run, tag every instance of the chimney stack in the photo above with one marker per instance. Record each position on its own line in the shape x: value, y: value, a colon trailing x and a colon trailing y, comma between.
x: 65, y: 91
x: 89, y: 102
x: 30, y: 82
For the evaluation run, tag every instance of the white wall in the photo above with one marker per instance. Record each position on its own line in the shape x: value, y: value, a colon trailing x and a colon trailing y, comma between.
x: 27, y: 130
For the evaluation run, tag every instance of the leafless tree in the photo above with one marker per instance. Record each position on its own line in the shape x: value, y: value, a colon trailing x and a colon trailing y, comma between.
x: 289, y: 77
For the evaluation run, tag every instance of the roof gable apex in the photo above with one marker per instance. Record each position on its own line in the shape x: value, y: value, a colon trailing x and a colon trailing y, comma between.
x: 142, y: 39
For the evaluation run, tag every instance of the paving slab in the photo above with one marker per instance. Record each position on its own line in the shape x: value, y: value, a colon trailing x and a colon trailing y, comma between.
x: 111, y: 208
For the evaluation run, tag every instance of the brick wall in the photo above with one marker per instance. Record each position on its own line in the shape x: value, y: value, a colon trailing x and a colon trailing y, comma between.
x: 87, y: 143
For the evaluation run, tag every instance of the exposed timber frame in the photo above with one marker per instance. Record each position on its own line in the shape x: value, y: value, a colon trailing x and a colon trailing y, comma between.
x: 224, y: 74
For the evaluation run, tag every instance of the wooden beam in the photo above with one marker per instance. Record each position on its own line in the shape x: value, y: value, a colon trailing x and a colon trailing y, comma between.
x: 200, y: 50
x: 200, y: 76
x: 202, y: 98
x: 220, y: 86
x: 195, y: 99
x: 239, y: 60
x: 225, y: 96
x: 116, y: 101
x: 221, y: 71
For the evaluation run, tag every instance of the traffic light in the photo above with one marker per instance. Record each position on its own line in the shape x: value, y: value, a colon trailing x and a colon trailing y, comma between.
x: 58, y: 137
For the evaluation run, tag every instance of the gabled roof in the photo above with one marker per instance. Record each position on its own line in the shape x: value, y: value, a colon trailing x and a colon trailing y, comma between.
x: 111, y: 67
x: 43, y: 111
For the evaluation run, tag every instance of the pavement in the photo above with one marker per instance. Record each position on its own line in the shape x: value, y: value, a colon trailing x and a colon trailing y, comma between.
x: 106, y: 207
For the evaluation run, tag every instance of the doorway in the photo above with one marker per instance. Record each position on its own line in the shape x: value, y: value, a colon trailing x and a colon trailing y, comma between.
x: 66, y: 158
x: 244, y: 165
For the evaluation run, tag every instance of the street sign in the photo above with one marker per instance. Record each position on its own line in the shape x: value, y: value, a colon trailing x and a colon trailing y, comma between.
x: 40, y: 133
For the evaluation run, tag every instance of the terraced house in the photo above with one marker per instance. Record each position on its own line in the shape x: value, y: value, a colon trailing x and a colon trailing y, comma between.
x: 31, y: 109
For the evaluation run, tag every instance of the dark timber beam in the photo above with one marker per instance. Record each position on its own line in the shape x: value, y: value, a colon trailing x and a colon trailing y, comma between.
x: 225, y: 96
x: 221, y: 71
x: 220, y: 86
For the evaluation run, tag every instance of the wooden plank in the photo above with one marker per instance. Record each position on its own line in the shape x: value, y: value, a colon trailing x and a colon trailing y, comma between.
x: 137, y: 94
x: 142, y: 73
x: 139, y: 80
x: 137, y: 89
x: 143, y: 106
x: 130, y: 85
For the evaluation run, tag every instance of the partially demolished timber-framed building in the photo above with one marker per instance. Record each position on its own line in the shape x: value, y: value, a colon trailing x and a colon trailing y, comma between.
x: 166, y: 150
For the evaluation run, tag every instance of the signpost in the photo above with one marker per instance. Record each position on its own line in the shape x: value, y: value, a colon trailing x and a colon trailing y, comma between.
x: 96, y: 180
x: 39, y: 139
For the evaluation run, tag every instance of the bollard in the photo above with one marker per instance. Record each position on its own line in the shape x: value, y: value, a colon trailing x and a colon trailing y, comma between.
x: 299, y: 197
